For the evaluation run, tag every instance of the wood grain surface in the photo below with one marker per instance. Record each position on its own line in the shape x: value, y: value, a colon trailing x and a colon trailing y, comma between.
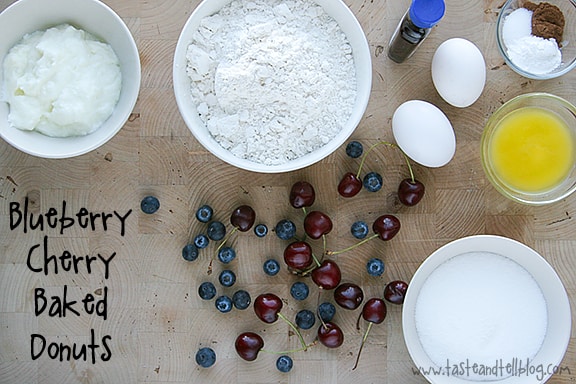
x: 155, y: 320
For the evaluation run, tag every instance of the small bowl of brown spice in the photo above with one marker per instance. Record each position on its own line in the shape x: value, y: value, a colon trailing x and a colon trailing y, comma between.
x: 538, y: 39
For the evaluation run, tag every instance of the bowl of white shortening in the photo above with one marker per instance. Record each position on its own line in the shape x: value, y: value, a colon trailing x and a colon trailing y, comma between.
x: 486, y: 308
x: 272, y: 86
x: 69, y: 78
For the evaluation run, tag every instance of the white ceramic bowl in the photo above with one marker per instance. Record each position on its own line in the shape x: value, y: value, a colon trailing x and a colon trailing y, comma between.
x: 338, y: 10
x: 93, y: 16
x: 558, y: 328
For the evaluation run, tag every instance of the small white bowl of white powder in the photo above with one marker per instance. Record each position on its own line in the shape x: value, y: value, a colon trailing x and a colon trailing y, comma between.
x: 486, y: 308
x: 272, y: 86
x: 69, y: 78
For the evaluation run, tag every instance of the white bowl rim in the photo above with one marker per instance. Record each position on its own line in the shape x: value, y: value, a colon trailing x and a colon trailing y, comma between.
x: 494, y: 244
x: 185, y: 105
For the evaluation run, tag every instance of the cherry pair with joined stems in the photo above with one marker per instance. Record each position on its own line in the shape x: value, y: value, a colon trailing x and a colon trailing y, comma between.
x: 249, y: 344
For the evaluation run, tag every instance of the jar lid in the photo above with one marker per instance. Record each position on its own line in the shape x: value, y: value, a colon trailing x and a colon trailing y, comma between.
x: 426, y: 13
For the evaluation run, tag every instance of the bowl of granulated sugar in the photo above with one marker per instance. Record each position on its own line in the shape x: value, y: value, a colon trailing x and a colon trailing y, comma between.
x: 537, y: 39
x: 272, y: 86
x: 486, y: 308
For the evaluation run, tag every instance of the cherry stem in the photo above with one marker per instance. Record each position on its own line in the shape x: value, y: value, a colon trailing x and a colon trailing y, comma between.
x: 362, y: 345
x: 390, y: 145
x: 352, y: 246
x: 320, y: 290
x: 291, y: 350
x: 296, y: 330
x: 304, y: 210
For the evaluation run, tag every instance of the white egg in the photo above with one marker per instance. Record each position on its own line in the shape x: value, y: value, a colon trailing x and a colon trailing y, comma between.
x: 459, y: 72
x: 424, y: 133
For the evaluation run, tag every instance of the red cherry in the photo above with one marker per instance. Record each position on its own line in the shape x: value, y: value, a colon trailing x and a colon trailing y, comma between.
x: 267, y: 307
x: 243, y: 218
x: 348, y: 296
x: 395, y: 291
x: 248, y: 344
x: 386, y: 226
x: 327, y: 275
x: 410, y: 192
x: 330, y: 335
x: 302, y: 194
x: 317, y: 224
x: 350, y: 185
x: 374, y: 311
x: 298, y: 255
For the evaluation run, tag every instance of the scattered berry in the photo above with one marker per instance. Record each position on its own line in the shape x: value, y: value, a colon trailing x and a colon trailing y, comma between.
x: 284, y: 363
x: 205, y: 357
x: 261, y: 230
x: 216, y: 230
x: 207, y: 291
x: 305, y: 319
x: 359, y: 229
x: 285, y: 229
x: 190, y: 252
x: 354, y: 149
x: 299, y: 290
x: 372, y: 182
x: 271, y: 267
x: 204, y: 213
x: 227, y: 278
x: 223, y: 304
x: 149, y: 204
x: 375, y: 267
x: 201, y: 241
x: 326, y: 311
x: 241, y: 299
x: 226, y: 255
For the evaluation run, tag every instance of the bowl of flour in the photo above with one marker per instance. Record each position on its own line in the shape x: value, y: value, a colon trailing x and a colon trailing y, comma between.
x: 486, y: 308
x: 272, y: 86
x: 69, y: 77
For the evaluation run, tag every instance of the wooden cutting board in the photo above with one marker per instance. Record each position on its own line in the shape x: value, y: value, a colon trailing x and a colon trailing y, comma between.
x: 142, y: 309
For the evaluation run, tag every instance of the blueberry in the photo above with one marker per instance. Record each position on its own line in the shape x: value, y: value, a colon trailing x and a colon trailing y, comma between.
x: 285, y: 229
x: 241, y: 299
x: 149, y: 204
x: 305, y: 319
x: 372, y: 182
x: 206, y: 291
x: 299, y: 290
x: 284, y: 363
x: 354, y: 149
x: 261, y: 230
x: 204, y: 213
x: 227, y: 278
x: 190, y: 252
x: 271, y: 267
x: 326, y: 311
x: 226, y: 254
x: 216, y: 230
x: 359, y: 229
x: 223, y: 304
x: 201, y: 241
x: 375, y: 267
x: 205, y: 357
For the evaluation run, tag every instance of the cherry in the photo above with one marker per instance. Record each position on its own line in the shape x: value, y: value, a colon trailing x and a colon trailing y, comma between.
x: 327, y: 275
x: 317, y: 224
x: 267, y: 307
x: 374, y: 312
x: 248, y: 345
x: 395, y: 291
x: 348, y: 296
x: 349, y: 185
x: 302, y: 194
x: 243, y: 218
x: 330, y: 335
x: 386, y: 227
x: 298, y: 255
x: 410, y: 192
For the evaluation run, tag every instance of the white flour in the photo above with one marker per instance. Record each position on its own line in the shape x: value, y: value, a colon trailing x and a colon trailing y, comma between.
x: 273, y: 80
